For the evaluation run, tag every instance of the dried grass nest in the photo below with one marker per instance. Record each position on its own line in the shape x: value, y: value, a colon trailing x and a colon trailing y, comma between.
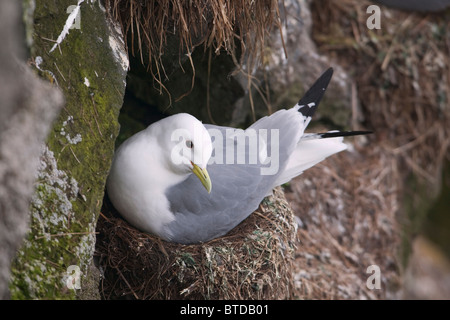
x: 253, y: 261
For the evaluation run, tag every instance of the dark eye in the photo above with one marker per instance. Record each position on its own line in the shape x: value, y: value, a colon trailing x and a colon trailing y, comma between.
x: 189, y: 144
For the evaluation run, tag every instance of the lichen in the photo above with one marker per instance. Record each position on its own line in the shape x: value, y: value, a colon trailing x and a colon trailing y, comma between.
x: 51, y: 225
x: 71, y: 140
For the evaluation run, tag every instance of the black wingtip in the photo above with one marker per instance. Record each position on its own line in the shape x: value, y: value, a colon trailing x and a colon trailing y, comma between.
x: 314, y: 95
x: 343, y: 134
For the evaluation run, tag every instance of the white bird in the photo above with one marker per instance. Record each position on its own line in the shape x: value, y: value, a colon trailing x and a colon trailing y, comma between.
x: 152, y: 186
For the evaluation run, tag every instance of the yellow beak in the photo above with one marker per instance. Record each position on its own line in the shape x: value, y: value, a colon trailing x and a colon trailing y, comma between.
x: 203, y: 175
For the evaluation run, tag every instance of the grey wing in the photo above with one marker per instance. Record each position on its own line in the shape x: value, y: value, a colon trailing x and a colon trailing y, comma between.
x: 237, y: 189
x: 201, y: 216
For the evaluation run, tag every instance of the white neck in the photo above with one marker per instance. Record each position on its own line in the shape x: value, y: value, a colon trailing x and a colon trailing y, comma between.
x: 140, y: 178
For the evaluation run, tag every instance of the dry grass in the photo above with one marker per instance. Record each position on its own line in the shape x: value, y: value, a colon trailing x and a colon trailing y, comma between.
x: 253, y: 261
x: 237, y: 27
x: 402, y: 72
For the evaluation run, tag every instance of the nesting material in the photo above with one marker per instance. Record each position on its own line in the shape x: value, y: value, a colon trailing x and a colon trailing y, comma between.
x: 400, y: 79
x: 253, y: 261
x: 221, y: 25
x: 348, y: 209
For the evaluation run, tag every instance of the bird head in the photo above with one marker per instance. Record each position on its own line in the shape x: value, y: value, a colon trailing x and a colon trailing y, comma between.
x: 191, y: 146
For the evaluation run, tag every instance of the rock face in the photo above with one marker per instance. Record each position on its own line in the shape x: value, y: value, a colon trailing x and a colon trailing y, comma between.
x: 28, y: 106
x: 290, y: 65
x: 211, y: 98
x: 89, y: 65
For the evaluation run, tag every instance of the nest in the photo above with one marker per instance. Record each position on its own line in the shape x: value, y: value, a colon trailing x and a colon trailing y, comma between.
x: 253, y: 261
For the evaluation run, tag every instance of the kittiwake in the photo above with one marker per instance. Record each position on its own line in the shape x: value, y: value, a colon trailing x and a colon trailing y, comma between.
x: 152, y: 186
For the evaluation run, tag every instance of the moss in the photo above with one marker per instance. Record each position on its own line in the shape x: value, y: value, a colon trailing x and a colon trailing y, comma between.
x: 76, y: 160
x: 418, y: 201
x: 438, y: 220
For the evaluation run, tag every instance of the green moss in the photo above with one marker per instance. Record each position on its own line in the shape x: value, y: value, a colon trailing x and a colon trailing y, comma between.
x: 76, y: 160
x: 418, y: 198
x: 437, y: 223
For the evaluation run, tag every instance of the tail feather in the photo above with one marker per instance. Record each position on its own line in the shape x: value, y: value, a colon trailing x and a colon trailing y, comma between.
x: 307, y: 154
x: 332, y: 134
x: 312, y: 148
x: 310, y: 101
